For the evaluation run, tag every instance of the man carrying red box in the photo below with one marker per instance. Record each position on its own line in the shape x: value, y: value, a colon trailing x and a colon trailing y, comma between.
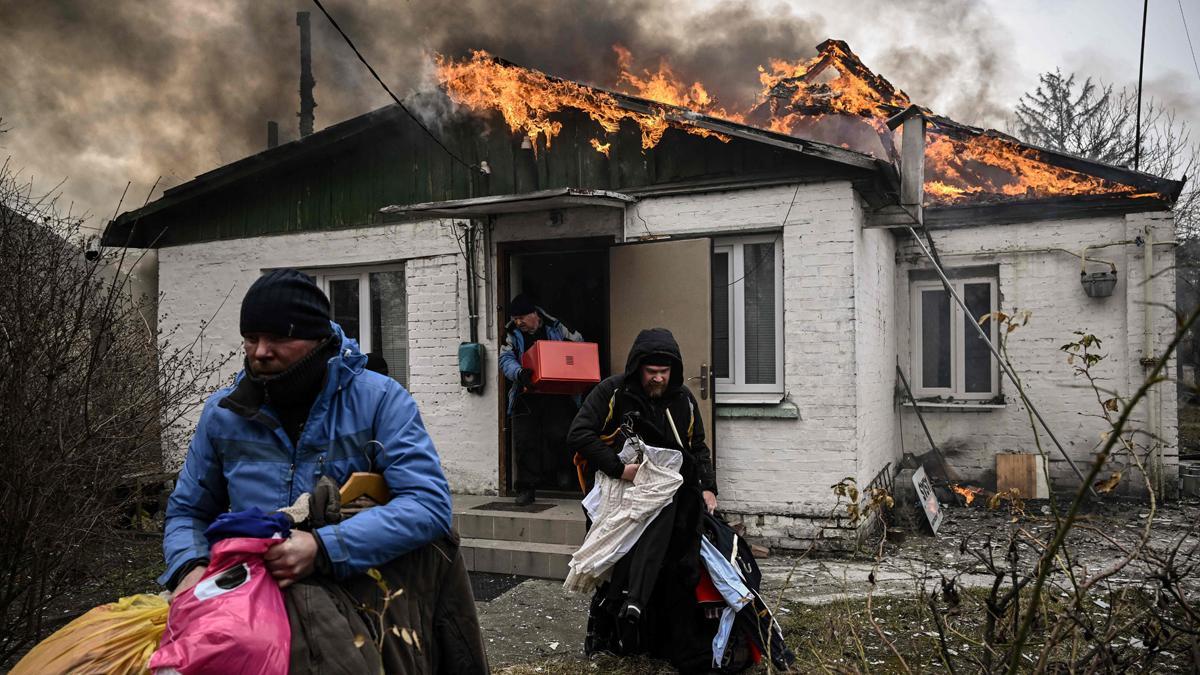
x: 539, y: 421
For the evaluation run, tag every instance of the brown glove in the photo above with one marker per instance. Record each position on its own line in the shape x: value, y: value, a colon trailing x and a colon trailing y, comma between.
x: 326, y: 503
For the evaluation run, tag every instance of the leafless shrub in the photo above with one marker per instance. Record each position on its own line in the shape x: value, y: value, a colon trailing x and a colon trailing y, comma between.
x: 1093, y: 120
x: 1050, y: 588
x: 86, y: 386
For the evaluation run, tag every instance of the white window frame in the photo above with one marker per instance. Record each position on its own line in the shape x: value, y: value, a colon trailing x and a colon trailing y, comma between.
x: 733, y: 389
x: 363, y: 274
x: 958, y: 377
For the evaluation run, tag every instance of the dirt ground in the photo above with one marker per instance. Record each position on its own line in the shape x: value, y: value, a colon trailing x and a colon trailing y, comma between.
x: 536, y: 627
x: 533, y: 626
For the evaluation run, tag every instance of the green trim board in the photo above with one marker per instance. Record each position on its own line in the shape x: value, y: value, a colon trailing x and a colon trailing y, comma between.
x: 341, y: 176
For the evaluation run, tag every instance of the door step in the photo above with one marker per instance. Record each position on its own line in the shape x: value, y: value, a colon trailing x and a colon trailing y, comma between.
x: 527, y: 559
x: 502, y: 538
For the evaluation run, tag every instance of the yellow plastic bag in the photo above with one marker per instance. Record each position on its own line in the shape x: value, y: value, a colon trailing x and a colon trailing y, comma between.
x: 115, y: 638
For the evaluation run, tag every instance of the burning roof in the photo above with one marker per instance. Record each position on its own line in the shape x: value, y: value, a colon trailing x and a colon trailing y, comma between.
x: 832, y: 98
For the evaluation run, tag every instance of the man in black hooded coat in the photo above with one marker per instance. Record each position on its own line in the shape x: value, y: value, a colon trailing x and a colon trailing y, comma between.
x: 649, y: 603
x: 635, y: 396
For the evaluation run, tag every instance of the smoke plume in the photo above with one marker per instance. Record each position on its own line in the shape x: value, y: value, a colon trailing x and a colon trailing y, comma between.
x: 105, y: 93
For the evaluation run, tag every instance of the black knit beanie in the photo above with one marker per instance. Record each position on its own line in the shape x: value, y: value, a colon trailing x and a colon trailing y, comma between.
x: 521, y: 305
x: 286, y: 303
x: 657, y: 359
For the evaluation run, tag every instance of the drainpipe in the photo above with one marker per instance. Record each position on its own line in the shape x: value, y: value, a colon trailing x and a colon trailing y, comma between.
x: 1154, y: 402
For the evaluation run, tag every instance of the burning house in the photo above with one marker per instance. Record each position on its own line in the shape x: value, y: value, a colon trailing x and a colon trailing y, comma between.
x: 780, y: 244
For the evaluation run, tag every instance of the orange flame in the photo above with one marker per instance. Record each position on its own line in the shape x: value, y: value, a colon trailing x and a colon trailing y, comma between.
x: 832, y: 98
x: 527, y: 99
x: 958, y: 169
x: 968, y: 493
x: 834, y: 81
x: 664, y: 86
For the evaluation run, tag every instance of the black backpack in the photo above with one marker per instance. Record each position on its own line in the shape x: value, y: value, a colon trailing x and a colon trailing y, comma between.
x: 754, y: 623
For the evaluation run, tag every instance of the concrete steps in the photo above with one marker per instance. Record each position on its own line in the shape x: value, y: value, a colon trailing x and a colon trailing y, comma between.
x: 502, y: 538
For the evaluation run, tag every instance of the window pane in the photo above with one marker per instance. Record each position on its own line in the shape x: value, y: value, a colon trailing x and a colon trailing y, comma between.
x: 343, y: 296
x: 389, y: 322
x: 759, y: 265
x: 720, y: 312
x: 935, y: 339
x: 977, y: 357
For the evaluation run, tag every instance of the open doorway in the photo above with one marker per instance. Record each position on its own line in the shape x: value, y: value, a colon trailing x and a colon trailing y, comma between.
x: 569, y: 280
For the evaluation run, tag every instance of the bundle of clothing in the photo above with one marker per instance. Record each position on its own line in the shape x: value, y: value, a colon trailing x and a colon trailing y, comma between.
x: 669, y: 579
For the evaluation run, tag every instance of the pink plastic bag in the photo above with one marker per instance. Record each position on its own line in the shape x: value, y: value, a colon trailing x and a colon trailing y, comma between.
x: 233, y: 621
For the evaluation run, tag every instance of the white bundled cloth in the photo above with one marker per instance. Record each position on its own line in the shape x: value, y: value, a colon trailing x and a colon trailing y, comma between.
x: 622, y: 510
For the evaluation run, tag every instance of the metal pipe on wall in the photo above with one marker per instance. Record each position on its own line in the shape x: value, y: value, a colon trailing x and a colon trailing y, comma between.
x: 1154, y: 399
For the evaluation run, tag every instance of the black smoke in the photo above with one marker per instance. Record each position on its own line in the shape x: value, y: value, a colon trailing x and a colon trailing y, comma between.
x: 131, y: 90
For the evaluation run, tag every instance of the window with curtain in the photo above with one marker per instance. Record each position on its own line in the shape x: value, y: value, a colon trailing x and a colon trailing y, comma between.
x: 949, y: 358
x: 370, y: 305
x: 747, y: 278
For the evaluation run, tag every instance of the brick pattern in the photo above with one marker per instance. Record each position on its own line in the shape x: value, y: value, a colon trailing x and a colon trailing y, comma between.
x: 204, y: 283
x: 782, y: 469
x: 846, y: 319
x: 875, y: 354
x: 1036, y: 273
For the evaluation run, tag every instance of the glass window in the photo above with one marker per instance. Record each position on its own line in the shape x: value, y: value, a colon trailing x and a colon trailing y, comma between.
x: 949, y: 356
x: 747, y: 278
x: 389, y: 321
x: 720, y: 311
x: 371, y: 306
x: 343, y: 300
x: 977, y: 358
x: 935, y: 347
x: 760, y: 313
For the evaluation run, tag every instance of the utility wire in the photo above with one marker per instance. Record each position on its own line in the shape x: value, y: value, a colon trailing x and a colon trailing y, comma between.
x: 769, y: 253
x: 1141, y: 66
x: 460, y: 160
x: 1183, y: 16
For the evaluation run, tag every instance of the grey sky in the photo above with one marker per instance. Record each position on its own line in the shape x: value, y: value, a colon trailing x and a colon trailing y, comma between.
x: 104, y: 93
x: 1096, y: 37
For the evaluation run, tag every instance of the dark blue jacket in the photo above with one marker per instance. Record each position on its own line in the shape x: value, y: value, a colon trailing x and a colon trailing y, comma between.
x: 514, y: 348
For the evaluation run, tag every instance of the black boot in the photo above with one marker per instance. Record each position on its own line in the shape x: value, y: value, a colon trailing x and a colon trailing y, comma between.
x: 525, y: 497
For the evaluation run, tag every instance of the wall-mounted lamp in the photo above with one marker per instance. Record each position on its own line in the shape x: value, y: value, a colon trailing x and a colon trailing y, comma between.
x: 1097, y: 284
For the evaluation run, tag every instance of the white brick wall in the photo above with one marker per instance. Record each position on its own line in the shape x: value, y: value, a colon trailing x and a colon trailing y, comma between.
x: 785, y: 467
x: 1047, y: 283
x: 206, y: 281
x: 875, y: 353
x: 846, y: 314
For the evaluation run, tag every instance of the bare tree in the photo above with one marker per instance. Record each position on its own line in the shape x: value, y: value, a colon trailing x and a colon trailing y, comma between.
x: 86, y: 387
x: 1098, y: 122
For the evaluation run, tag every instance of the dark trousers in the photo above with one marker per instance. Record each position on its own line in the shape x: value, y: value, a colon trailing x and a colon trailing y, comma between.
x: 539, y: 424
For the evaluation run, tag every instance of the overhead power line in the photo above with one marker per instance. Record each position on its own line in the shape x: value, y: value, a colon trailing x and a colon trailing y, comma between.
x: 1137, y: 127
x: 1183, y: 16
x: 460, y: 160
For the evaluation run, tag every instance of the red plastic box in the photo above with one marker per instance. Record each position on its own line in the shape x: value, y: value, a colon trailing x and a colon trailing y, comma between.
x: 562, y: 367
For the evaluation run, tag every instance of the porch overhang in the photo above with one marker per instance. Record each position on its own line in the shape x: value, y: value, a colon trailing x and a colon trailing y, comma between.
x: 540, y: 200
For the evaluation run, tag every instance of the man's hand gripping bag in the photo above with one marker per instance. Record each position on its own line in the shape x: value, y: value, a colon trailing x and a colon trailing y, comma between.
x: 233, y: 621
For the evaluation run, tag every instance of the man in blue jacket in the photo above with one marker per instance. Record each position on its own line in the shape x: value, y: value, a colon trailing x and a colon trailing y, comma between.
x: 539, y: 422
x: 306, y: 408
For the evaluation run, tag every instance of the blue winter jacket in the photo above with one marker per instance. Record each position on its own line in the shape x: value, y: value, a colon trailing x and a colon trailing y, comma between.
x: 514, y: 348
x: 361, y: 421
